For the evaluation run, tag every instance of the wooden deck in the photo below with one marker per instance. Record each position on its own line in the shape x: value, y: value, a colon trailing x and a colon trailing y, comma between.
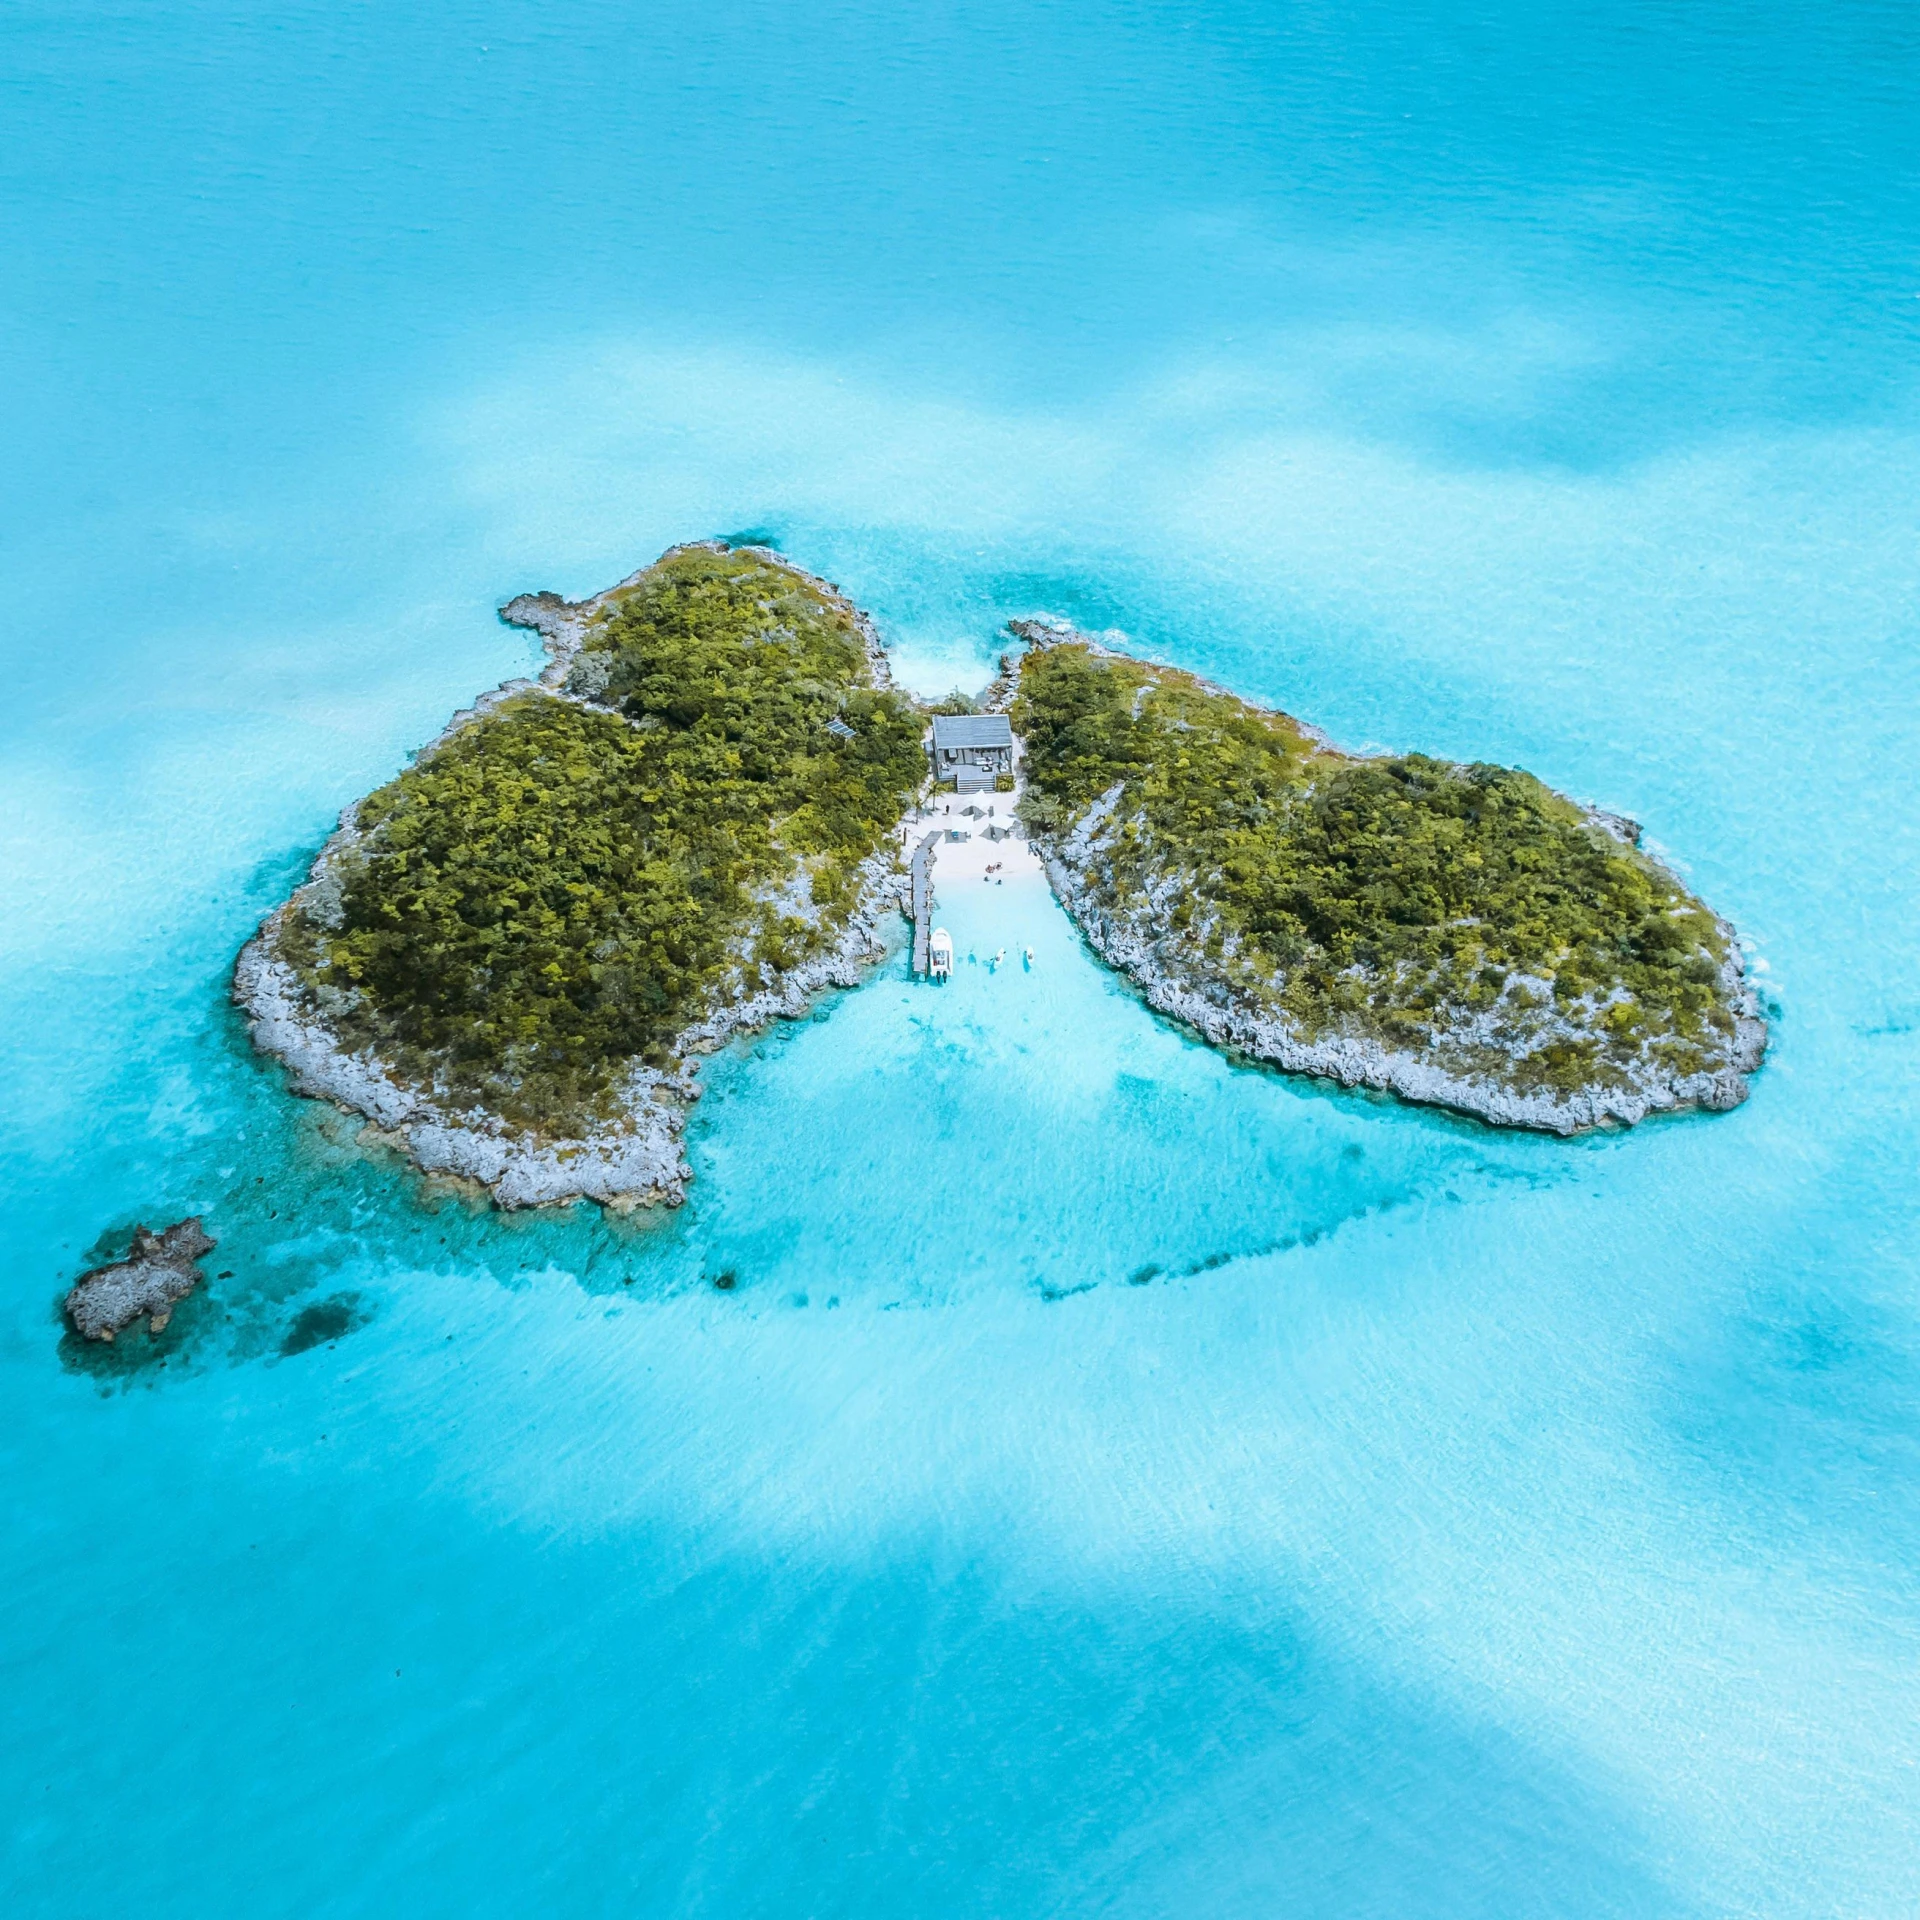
x: 921, y: 870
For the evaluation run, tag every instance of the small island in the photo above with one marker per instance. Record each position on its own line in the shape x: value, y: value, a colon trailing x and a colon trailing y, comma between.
x: 160, y: 1270
x: 1454, y: 934
x: 508, y: 958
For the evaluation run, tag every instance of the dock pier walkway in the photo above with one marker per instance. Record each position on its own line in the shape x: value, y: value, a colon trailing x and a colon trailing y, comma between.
x: 920, y: 868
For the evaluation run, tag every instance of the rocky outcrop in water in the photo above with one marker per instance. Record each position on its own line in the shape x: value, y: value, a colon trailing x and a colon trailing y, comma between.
x: 160, y: 1271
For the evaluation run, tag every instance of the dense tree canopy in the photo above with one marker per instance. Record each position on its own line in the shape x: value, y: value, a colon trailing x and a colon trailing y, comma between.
x: 1391, y: 896
x: 564, y: 883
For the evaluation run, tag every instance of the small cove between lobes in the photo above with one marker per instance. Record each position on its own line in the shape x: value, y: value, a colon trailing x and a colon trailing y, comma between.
x: 935, y: 1140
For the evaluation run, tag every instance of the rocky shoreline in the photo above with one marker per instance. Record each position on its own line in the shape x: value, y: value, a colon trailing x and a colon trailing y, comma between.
x: 1209, y: 1008
x: 634, y: 1159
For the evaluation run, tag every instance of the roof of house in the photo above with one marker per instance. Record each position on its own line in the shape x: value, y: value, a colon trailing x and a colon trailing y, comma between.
x: 952, y: 730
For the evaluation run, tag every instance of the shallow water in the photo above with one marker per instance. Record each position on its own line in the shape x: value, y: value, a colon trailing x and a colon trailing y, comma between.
x: 1115, y: 1480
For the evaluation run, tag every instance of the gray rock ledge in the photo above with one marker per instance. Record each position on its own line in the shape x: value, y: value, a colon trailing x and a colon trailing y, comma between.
x: 1212, y: 1011
x: 162, y: 1269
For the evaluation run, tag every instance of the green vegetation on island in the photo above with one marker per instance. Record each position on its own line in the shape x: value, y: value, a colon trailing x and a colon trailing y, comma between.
x: 565, y: 882
x: 509, y: 954
x: 1466, y: 915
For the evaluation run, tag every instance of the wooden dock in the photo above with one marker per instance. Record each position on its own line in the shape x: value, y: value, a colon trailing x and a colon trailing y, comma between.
x: 921, y: 870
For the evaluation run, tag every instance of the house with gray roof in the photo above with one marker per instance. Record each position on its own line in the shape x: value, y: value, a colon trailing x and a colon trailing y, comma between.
x: 970, y: 748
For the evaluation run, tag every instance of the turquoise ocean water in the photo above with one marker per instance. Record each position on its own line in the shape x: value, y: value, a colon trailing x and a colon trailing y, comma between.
x: 1118, y: 1482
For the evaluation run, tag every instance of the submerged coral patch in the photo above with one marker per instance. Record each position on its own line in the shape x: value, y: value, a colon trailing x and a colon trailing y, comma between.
x: 323, y: 1321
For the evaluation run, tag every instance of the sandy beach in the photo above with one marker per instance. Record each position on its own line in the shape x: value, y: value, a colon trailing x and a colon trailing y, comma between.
x: 976, y: 861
